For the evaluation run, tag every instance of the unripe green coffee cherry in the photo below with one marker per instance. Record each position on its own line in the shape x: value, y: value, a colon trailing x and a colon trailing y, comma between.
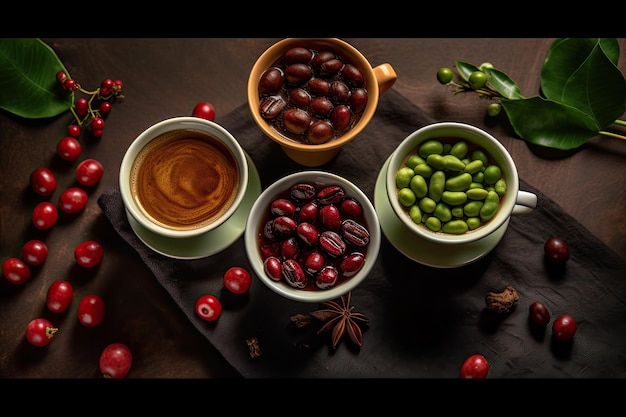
x: 444, y: 75
x: 494, y: 109
x: 478, y: 80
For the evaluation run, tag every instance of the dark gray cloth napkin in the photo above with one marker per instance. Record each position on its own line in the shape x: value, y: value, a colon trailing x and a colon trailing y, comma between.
x: 424, y: 321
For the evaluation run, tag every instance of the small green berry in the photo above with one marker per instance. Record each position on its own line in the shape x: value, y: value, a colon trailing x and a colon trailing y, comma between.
x: 478, y: 79
x: 485, y: 65
x: 445, y: 75
x: 493, y: 109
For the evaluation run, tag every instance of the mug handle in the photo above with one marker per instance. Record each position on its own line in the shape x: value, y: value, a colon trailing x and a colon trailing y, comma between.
x: 385, y: 76
x: 526, y: 202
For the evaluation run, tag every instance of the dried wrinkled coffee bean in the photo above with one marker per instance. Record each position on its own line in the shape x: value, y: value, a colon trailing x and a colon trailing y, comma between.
x: 271, y: 107
x: 302, y: 192
x: 269, y: 232
x: 293, y: 273
x: 332, y: 194
x: 355, y: 233
x: 332, y: 243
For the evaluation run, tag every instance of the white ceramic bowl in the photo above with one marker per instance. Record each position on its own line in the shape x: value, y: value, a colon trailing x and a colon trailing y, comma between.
x: 514, y: 201
x: 260, y: 212
x: 180, y: 123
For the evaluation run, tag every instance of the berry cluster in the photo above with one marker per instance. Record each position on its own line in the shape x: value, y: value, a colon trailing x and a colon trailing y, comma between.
x: 89, y: 112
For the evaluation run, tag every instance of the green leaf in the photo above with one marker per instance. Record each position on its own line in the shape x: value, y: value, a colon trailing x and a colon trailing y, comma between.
x: 579, y: 73
x: 503, y: 84
x: 28, y: 83
x: 549, y: 123
x: 465, y: 69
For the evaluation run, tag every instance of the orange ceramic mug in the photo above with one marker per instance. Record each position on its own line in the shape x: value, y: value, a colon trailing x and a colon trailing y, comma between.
x: 377, y: 79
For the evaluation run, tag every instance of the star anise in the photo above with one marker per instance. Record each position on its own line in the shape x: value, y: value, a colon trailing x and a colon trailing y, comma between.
x: 342, y: 319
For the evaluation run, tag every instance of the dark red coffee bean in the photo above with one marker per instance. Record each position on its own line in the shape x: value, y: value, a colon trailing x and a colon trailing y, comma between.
x: 293, y: 273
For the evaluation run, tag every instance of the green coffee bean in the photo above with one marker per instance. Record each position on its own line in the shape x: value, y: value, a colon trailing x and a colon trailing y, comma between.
x: 403, y: 177
x: 419, y: 186
x: 433, y: 223
x: 436, y: 161
x: 424, y: 170
x: 478, y: 177
x: 474, y: 166
x: 460, y: 182
x: 490, y: 207
x: 436, y: 185
x: 431, y: 146
x: 476, y: 193
x: 500, y: 187
x: 406, y: 197
x: 460, y: 149
x: 473, y: 222
x: 476, y: 185
x: 442, y: 212
x: 492, y: 174
x: 454, y: 198
x: 415, y: 214
x: 452, y: 163
x: 457, y: 212
x: 481, y: 155
x: 414, y: 160
x: 472, y: 209
x: 427, y: 204
x: 455, y: 227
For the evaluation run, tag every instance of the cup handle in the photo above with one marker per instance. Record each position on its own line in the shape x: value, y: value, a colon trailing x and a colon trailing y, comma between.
x: 386, y: 77
x: 525, y: 203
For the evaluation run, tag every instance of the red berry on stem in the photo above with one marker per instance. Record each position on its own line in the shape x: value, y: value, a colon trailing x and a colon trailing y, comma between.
x: 204, y: 110
x: 39, y: 332
x: 74, y: 131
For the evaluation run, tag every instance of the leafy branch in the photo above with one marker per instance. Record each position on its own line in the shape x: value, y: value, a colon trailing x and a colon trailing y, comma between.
x: 583, y: 93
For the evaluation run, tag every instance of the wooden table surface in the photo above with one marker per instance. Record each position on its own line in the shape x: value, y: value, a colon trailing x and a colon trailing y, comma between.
x: 167, y: 77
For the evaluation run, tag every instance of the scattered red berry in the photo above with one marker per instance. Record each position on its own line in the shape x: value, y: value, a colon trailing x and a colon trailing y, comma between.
x: 15, y: 270
x: 69, y: 148
x: 59, y: 296
x: 556, y: 250
x: 43, y: 181
x: 88, y: 253
x: 539, y: 314
x: 45, y: 215
x: 474, y: 367
x: 237, y: 280
x: 208, y: 307
x: 204, y: 110
x: 73, y: 200
x: 115, y: 361
x: 89, y: 172
x: 34, y: 252
x: 39, y: 332
x: 564, y: 327
x: 91, y: 310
